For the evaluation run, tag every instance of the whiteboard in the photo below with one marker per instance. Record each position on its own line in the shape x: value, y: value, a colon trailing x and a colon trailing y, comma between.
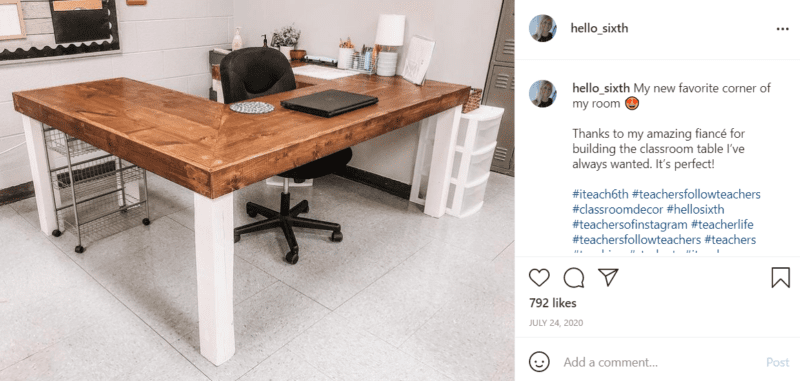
x: 10, y: 25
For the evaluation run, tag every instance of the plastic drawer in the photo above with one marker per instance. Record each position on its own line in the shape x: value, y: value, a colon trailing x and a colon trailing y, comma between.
x: 479, y: 164
x: 488, y: 119
x: 473, y: 199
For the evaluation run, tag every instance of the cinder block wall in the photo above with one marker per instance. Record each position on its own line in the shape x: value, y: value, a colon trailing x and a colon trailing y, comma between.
x: 464, y: 32
x: 165, y: 42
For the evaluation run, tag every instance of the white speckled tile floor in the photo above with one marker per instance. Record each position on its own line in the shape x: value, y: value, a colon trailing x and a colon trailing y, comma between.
x: 403, y: 297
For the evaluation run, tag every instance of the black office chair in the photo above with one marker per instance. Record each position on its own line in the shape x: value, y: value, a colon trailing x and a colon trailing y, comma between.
x: 254, y: 72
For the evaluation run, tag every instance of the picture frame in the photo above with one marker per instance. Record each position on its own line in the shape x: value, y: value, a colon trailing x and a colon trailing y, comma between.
x: 12, y: 25
x: 418, y: 59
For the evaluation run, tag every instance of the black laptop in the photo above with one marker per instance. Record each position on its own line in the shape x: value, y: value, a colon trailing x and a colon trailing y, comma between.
x: 329, y: 103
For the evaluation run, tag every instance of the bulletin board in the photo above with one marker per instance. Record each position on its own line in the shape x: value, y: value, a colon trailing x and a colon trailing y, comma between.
x: 58, y: 28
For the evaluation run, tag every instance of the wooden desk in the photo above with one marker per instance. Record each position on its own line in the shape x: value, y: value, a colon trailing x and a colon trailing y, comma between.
x: 207, y: 148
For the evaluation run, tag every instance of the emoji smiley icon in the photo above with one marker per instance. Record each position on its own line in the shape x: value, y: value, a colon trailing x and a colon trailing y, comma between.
x: 539, y: 361
x: 632, y: 103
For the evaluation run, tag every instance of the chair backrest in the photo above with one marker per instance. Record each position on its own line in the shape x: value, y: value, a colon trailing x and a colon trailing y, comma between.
x: 254, y: 72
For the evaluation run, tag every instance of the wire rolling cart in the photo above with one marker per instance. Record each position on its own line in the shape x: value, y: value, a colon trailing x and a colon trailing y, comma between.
x: 95, y: 194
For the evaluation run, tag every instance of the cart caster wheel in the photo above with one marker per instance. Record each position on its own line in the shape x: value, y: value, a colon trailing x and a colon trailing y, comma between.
x: 292, y: 257
x: 252, y: 213
x: 337, y: 237
x: 79, y: 249
x: 236, y: 238
x: 56, y: 233
x: 146, y: 221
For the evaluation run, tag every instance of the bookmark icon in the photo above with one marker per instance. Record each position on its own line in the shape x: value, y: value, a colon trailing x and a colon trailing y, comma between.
x: 781, y: 275
x: 609, y: 274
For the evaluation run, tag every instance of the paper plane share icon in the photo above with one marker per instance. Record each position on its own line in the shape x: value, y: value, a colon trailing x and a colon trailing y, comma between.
x: 609, y: 274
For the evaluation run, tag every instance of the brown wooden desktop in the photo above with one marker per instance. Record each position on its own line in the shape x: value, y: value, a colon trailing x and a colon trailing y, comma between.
x: 213, y: 151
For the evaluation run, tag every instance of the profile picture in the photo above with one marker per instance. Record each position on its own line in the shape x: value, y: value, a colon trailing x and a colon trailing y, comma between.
x: 542, y: 93
x: 542, y: 28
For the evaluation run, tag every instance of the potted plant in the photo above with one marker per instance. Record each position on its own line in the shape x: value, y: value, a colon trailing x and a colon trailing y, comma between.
x: 286, y: 39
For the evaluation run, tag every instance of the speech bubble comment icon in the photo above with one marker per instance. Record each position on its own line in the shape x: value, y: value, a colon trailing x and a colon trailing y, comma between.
x: 574, y: 277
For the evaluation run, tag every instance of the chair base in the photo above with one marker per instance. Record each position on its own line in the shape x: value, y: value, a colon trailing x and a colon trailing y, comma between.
x: 286, y: 219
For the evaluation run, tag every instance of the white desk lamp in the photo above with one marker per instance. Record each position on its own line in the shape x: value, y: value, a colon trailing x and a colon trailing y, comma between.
x: 390, y: 33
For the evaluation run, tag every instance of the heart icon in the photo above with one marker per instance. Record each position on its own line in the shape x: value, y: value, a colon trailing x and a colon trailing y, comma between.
x: 539, y: 276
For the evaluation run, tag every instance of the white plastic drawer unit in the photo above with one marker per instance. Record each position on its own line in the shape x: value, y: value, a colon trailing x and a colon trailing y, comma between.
x: 479, y: 164
x: 472, y: 159
x: 486, y: 122
x: 471, y: 200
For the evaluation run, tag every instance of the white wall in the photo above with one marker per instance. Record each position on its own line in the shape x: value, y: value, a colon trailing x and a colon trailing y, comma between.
x: 165, y: 42
x: 464, y: 32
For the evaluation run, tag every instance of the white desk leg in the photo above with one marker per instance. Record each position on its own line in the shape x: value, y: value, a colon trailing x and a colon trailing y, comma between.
x: 444, y: 143
x: 40, y: 171
x: 213, y: 239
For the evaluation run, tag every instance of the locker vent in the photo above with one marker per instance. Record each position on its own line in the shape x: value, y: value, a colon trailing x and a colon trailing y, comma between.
x: 508, y: 47
x: 500, y: 153
x: 502, y: 81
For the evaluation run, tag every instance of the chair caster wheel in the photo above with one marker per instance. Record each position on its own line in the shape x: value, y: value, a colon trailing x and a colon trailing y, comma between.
x: 56, y: 233
x: 79, y: 249
x: 123, y: 211
x: 305, y: 210
x: 236, y: 238
x: 337, y: 236
x: 146, y: 221
x: 251, y: 212
x: 292, y: 257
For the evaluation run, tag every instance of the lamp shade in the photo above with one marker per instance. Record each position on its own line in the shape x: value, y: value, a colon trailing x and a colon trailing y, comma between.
x: 390, y: 30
